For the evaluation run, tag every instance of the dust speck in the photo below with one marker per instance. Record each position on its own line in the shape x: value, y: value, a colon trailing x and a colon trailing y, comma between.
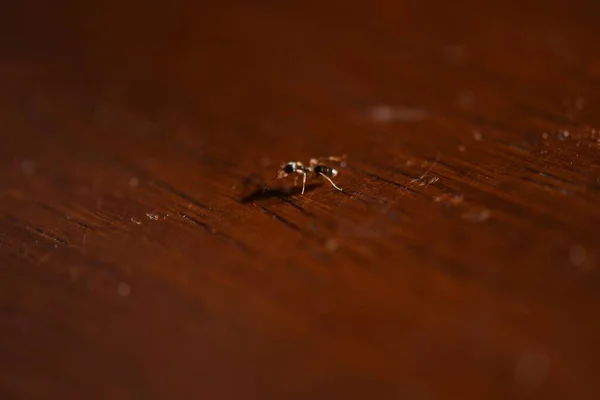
x: 465, y: 99
x: 462, y: 149
x: 452, y: 199
x: 123, y: 289
x: 424, y: 182
x: 135, y: 221
x: 545, y: 135
x: 73, y: 274
x: 410, y: 163
x: 531, y: 369
x: 331, y: 244
x: 134, y: 182
x: 265, y: 162
x: 477, y: 135
x: 153, y: 217
x: 477, y: 215
x: 456, y: 54
x: 386, y: 113
x: 578, y: 255
x: 28, y: 167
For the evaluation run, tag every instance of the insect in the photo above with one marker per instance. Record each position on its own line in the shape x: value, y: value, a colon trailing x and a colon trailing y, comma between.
x: 314, y: 169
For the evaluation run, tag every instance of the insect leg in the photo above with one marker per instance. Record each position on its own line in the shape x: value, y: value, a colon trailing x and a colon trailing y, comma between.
x: 338, y: 159
x: 303, y: 182
x: 330, y: 181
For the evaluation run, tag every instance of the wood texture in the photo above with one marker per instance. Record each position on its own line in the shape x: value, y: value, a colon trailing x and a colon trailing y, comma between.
x: 138, y: 258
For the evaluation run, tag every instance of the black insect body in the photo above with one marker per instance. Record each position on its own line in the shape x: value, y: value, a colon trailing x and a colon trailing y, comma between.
x: 315, y: 169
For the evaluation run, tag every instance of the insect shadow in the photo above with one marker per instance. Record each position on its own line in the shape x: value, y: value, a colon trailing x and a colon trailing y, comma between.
x: 254, y: 187
x: 260, y: 194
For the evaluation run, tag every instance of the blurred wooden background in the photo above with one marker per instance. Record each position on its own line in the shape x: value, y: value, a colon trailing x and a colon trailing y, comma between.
x: 138, y: 260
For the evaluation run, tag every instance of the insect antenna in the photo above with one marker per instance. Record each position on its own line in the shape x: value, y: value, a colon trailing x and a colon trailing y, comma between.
x: 268, y: 183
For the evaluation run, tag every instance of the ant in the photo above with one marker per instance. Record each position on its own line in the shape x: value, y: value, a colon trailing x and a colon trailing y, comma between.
x: 313, y: 170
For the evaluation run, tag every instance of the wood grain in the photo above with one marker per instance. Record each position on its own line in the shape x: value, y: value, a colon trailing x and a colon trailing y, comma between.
x: 139, y: 258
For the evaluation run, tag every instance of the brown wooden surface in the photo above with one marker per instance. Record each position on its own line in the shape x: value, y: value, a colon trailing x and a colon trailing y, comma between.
x: 461, y: 261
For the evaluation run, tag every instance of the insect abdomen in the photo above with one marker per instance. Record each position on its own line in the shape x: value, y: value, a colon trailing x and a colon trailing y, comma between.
x: 325, y: 170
